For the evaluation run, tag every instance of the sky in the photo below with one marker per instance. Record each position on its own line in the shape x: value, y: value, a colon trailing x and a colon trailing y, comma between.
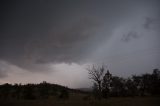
x: 56, y: 40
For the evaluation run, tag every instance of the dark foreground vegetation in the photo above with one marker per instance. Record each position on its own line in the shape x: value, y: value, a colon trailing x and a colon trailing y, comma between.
x: 107, y: 85
x: 108, y: 90
x: 77, y: 100
x: 40, y: 91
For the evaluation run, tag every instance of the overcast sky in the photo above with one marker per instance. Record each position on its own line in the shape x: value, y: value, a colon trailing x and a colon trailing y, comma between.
x: 56, y: 40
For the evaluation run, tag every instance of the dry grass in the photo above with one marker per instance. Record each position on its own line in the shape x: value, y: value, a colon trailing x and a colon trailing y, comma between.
x: 78, y: 101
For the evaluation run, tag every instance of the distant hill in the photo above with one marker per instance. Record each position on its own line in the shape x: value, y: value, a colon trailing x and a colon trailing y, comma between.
x: 42, y: 90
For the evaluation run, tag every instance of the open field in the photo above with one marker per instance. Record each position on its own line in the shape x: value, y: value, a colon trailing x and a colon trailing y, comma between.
x: 78, y: 101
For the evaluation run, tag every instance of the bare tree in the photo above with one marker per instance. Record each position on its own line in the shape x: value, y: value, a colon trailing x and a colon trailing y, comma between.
x: 97, y: 73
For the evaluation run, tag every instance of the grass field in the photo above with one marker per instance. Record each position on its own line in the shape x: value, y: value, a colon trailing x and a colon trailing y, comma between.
x: 78, y: 101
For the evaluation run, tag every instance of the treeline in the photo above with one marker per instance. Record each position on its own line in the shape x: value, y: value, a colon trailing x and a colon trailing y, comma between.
x: 43, y: 90
x: 107, y: 85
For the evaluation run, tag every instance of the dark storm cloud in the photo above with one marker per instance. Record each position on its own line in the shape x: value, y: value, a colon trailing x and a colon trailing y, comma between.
x: 36, y: 33
x: 64, y: 45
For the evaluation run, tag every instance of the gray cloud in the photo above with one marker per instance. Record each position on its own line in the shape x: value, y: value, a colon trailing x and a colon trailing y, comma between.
x: 152, y: 23
x: 68, y: 44
x: 130, y: 36
x: 3, y: 73
x: 4, y: 68
x: 34, y: 34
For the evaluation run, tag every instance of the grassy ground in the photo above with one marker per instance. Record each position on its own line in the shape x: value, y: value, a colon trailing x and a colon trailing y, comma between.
x: 78, y: 101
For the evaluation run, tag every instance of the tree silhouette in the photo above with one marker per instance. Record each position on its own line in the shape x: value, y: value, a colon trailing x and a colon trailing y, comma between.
x: 118, y: 86
x: 106, y: 84
x: 28, y: 92
x: 137, y: 81
x: 64, y: 94
x: 155, y: 90
x: 97, y: 73
x: 5, y: 91
x: 131, y: 88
